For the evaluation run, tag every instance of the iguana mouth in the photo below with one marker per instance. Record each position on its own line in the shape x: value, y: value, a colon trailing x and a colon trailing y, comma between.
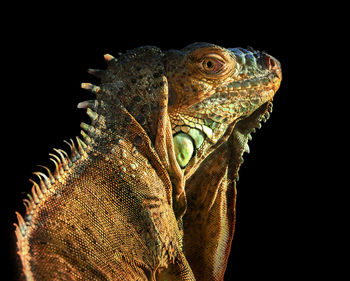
x: 248, y: 124
x: 261, y: 114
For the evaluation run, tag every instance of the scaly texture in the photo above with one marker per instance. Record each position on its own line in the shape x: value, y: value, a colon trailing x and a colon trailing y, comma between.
x: 148, y: 192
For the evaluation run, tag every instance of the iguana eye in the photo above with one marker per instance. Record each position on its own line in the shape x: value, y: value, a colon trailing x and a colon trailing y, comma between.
x: 212, y: 64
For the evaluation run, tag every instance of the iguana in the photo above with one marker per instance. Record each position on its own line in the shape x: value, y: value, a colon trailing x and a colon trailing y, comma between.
x: 149, y: 190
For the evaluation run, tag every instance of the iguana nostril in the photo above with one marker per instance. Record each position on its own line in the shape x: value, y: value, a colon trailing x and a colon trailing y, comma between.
x: 271, y: 62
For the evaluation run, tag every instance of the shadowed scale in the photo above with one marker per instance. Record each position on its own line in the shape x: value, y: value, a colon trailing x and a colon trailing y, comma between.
x: 148, y: 191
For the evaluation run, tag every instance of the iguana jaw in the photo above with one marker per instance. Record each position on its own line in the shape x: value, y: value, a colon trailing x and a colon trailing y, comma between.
x: 203, y: 107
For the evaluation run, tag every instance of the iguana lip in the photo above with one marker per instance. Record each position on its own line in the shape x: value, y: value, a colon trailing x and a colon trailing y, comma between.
x: 248, y: 124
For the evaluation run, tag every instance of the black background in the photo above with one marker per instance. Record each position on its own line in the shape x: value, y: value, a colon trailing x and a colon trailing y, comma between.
x: 46, y: 53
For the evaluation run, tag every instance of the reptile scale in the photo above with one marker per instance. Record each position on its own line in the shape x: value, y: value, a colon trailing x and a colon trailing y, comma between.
x: 148, y: 191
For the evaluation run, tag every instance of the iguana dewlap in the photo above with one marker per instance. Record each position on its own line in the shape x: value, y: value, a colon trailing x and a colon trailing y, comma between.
x: 148, y: 192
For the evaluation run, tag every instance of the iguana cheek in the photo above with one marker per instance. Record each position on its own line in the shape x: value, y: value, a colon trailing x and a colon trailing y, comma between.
x: 184, y: 149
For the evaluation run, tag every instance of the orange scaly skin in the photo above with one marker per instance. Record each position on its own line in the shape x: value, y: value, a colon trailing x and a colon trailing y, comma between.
x: 149, y: 191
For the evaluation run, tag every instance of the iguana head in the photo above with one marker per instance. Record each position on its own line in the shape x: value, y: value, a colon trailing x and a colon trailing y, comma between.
x: 212, y: 89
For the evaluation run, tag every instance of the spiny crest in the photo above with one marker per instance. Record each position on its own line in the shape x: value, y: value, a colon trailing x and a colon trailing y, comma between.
x: 45, y: 182
x: 62, y: 161
x: 110, y: 59
x: 90, y: 87
x: 105, y: 75
x: 99, y: 73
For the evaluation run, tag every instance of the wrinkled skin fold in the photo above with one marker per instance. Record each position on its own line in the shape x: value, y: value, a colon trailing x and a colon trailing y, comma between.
x: 149, y: 190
